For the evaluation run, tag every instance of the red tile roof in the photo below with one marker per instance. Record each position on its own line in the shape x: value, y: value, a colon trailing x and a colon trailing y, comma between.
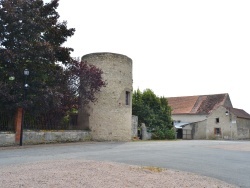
x: 201, y: 104
x: 181, y: 105
x: 239, y: 113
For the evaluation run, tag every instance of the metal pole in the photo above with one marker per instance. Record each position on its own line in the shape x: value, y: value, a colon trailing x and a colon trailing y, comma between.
x: 21, y: 134
x: 23, y: 111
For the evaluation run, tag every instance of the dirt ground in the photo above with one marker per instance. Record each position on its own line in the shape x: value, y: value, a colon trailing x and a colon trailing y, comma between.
x: 92, y: 174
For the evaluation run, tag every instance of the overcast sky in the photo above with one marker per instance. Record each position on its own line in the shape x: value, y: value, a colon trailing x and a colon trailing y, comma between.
x: 178, y: 47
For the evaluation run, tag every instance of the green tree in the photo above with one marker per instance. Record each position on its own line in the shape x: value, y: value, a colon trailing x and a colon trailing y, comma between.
x: 31, y: 36
x: 154, y: 112
x: 144, y: 113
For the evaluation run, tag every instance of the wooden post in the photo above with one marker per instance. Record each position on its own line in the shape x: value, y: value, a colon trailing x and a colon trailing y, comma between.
x: 18, y: 123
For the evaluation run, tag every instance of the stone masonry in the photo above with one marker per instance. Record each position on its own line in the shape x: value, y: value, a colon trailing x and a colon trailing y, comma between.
x: 134, y: 126
x: 109, y: 119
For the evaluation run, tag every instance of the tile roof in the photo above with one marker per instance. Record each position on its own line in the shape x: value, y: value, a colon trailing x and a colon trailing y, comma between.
x: 201, y: 104
x: 239, y: 113
x: 181, y: 105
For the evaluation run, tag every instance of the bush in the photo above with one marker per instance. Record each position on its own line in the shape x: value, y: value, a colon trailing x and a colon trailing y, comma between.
x: 170, y: 133
x: 158, y: 134
x: 162, y: 134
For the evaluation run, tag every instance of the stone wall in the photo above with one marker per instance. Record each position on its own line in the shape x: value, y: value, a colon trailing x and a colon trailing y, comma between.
x: 228, y: 102
x: 243, y: 128
x: 7, y: 139
x: 228, y: 128
x: 231, y: 127
x: 134, y: 126
x: 109, y: 119
x: 145, y: 134
x: 43, y: 137
x: 199, y: 130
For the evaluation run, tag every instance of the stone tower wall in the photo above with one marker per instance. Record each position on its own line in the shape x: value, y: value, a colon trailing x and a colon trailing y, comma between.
x: 110, y: 117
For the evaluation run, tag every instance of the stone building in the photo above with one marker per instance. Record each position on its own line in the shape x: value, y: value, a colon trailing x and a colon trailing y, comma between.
x: 209, y: 117
x: 109, y: 119
x: 196, y: 108
x: 228, y: 123
x: 190, y: 109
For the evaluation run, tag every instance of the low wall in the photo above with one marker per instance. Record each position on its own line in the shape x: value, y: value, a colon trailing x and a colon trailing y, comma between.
x: 7, y: 139
x: 134, y: 126
x: 42, y: 137
x: 145, y: 134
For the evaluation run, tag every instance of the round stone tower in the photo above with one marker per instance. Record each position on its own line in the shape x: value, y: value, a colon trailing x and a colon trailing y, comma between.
x: 110, y: 117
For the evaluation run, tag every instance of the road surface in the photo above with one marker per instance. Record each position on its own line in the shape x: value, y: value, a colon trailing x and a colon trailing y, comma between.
x: 228, y: 161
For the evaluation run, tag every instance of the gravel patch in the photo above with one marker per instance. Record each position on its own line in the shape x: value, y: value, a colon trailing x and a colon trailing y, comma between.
x: 93, y: 174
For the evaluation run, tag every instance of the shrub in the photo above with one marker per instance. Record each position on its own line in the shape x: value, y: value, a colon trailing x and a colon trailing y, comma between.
x: 158, y: 134
x: 170, y: 133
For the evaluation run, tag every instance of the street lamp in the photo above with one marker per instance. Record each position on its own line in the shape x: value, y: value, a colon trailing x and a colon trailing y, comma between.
x: 26, y: 74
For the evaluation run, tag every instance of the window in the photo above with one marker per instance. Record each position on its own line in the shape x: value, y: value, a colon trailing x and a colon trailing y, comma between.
x: 217, y: 120
x: 217, y: 131
x: 127, y: 97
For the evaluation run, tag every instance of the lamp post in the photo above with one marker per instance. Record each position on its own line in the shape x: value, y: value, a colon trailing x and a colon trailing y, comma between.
x: 26, y: 73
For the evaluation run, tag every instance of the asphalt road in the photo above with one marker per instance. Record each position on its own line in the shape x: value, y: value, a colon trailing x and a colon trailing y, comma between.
x: 201, y: 157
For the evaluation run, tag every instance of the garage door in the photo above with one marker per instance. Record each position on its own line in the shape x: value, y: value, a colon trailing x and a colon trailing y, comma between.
x: 187, y: 134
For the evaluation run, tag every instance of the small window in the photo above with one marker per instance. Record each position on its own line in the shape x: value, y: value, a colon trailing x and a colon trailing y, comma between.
x: 217, y: 131
x: 127, y: 97
x: 217, y: 120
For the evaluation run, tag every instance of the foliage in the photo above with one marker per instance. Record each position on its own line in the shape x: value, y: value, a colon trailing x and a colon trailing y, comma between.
x: 31, y: 37
x: 86, y: 80
x: 170, y: 133
x: 163, y: 133
x: 153, y: 111
x: 159, y: 134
